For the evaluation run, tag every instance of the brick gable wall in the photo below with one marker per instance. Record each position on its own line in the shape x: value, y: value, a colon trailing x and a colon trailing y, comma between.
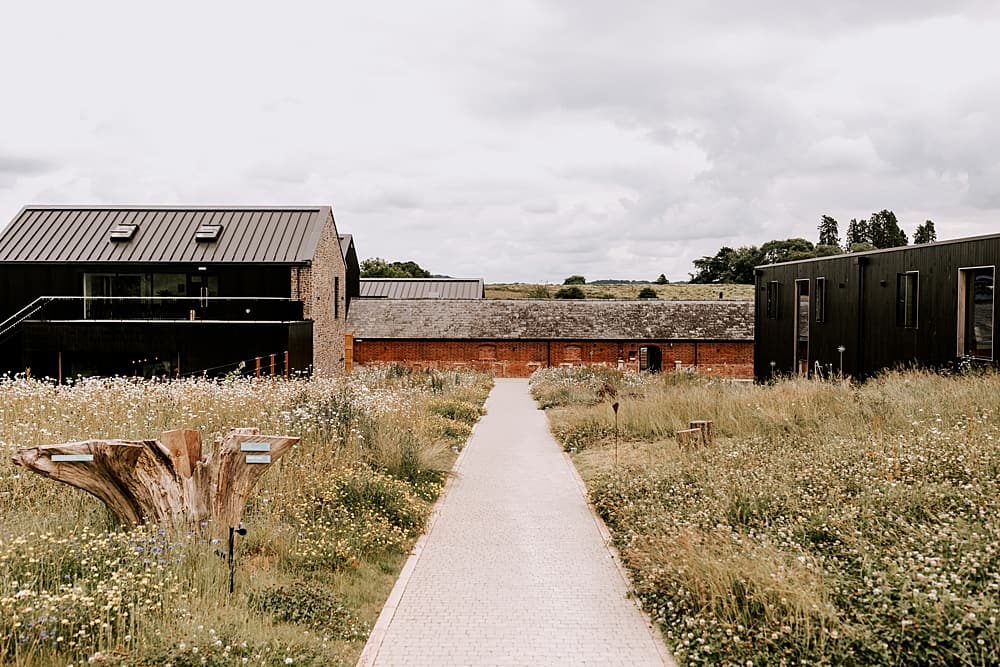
x: 314, y: 285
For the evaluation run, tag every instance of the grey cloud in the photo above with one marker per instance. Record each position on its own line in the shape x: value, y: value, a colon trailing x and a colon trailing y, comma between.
x: 541, y: 206
x: 24, y: 166
x: 16, y: 167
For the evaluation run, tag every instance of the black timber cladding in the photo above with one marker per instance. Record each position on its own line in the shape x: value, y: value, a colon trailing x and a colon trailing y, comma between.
x: 861, y: 308
x: 81, y: 234
x: 570, y: 319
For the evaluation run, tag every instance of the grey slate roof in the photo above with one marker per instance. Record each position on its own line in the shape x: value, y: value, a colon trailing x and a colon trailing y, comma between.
x: 545, y: 319
x: 346, y: 241
x: 421, y: 288
x: 282, y: 235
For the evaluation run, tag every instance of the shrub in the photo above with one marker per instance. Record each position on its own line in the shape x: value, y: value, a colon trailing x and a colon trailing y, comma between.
x: 308, y: 604
x: 573, y: 292
x: 575, y: 280
x: 538, y: 292
x: 460, y: 411
x: 648, y: 293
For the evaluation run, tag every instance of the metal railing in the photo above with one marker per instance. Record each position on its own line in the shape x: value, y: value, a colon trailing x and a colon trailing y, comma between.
x: 11, y: 323
x: 129, y: 308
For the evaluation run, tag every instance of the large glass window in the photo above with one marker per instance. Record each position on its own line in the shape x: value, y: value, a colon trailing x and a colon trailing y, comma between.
x: 98, y: 285
x: 170, y: 284
x: 976, y: 323
x: 802, y: 325
x: 907, y: 296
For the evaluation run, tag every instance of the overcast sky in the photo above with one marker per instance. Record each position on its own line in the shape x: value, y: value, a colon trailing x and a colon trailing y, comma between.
x: 524, y: 140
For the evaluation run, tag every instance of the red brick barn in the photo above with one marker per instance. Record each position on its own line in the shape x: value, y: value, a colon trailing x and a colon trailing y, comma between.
x: 514, y: 337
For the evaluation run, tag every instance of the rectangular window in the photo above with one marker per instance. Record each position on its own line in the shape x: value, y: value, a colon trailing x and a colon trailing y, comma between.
x: 336, y: 297
x: 907, y: 298
x: 976, y: 314
x: 907, y: 295
x: 820, y: 299
x: 772, y: 300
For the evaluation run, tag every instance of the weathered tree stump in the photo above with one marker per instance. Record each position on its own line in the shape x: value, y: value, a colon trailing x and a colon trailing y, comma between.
x: 689, y: 438
x: 166, y: 480
x: 705, y: 426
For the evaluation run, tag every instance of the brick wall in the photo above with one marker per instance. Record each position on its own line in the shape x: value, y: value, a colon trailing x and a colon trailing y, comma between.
x: 521, y: 358
x: 314, y: 285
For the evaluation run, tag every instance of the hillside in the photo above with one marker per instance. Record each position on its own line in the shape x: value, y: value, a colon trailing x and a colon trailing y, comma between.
x: 670, y: 292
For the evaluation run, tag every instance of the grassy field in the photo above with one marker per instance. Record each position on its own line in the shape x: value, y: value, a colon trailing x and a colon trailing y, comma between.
x: 829, y: 523
x: 667, y: 292
x: 329, y: 526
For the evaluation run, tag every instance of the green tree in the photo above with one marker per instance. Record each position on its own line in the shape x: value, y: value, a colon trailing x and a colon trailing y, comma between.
x: 728, y: 266
x: 925, y: 233
x: 572, y: 292
x: 575, y: 280
x: 827, y: 250
x: 858, y: 231
x: 713, y: 269
x: 829, y: 232
x: 884, y: 230
x: 376, y: 267
x: 662, y: 280
x: 786, y: 251
x: 648, y: 293
x: 741, y: 264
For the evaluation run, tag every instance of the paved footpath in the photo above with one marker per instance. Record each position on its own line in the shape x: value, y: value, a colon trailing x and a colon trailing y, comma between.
x: 514, y: 569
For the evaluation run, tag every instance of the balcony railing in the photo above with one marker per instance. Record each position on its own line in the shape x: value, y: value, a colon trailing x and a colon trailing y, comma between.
x: 215, y: 308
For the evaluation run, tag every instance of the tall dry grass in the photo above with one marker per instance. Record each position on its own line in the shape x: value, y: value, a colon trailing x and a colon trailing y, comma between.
x: 829, y: 523
x: 329, y: 525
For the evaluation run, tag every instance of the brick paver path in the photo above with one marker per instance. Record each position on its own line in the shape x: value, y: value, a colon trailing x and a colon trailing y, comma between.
x: 514, y: 569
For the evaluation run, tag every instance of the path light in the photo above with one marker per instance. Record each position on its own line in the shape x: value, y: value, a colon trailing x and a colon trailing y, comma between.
x: 231, y: 554
x: 841, y: 349
x: 614, y: 406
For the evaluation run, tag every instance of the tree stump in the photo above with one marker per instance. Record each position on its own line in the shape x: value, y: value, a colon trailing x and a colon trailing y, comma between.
x: 705, y: 426
x: 688, y: 438
x: 166, y: 480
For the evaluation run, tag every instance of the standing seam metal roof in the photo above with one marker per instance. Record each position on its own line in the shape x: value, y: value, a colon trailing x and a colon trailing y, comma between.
x: 421, y: 288
x: 251, y: 235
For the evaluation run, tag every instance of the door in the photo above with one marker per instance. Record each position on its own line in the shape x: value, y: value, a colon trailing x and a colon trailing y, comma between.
x: 802, y: 326
x: 204, y: 287
x: 976, y: 316
x: 650, y: 359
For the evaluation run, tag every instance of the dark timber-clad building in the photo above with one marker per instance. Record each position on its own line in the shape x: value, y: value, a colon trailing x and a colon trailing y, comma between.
x: 926, y: 305
x: 173, y: 291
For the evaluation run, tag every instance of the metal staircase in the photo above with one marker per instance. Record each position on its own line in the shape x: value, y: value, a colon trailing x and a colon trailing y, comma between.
x: 9, y: 326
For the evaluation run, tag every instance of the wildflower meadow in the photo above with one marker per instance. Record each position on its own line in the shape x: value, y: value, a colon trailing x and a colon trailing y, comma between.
x: 828, y: 523
x: 328, y: 526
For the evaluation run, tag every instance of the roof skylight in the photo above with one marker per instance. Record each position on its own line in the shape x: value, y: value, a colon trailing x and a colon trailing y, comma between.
x: 123, y: 232
x: 208, y: 233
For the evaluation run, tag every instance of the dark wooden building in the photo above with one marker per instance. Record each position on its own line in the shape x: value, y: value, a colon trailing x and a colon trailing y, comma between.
x: 514, y: 337
x: 173, y: 291
x: 860, y: 313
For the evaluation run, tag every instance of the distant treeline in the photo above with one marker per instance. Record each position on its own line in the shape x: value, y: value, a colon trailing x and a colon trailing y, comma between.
x: 880, y: 230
